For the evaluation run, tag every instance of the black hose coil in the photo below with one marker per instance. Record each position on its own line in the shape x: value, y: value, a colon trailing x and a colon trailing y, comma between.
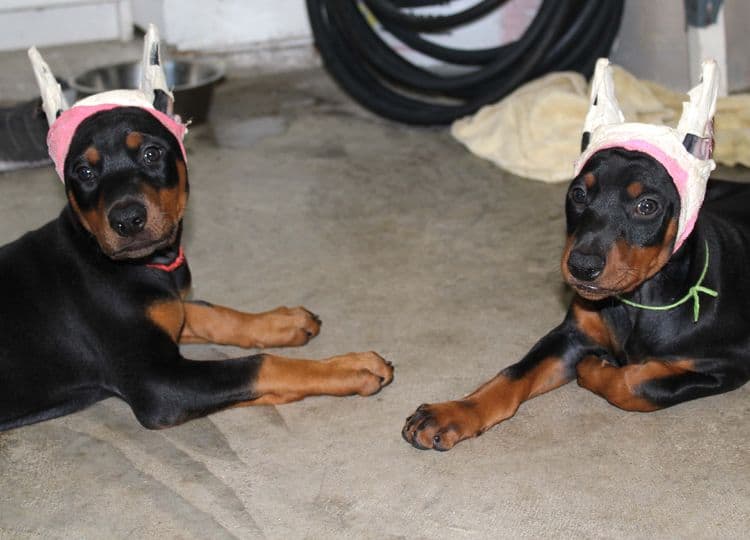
x: 564, y: 35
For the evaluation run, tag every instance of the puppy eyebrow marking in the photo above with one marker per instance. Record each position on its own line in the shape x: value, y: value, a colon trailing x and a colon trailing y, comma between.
x: 133, y: 140
x: 92, y: 155
x: 589, y: 179
x: 634, y: 189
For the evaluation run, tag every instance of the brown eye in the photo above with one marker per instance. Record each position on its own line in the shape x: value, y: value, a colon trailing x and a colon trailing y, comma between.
x: 646, y: 207
x: 152, y: 154
x: 578, y: 194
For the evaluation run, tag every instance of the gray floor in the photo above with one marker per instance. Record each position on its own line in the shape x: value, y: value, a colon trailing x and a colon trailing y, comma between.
x: 406, y: 244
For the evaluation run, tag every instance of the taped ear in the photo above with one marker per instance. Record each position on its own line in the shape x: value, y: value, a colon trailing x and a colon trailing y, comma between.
x: 53, y: 100
x: 696, y: 123
x: 153, y: 79
x: 604, y: 109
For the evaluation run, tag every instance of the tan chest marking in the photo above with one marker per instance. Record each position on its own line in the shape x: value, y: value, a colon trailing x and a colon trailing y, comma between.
x: 169, y: 315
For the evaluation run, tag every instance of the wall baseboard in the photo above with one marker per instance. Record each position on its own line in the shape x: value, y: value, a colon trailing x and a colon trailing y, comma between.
x: 265, y: 57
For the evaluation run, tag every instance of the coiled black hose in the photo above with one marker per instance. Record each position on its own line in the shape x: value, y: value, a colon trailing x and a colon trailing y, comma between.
x: 564, y: 35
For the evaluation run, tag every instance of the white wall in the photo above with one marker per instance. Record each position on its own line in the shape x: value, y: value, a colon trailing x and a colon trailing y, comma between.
x: 56, y: 22
x: 225, y: 25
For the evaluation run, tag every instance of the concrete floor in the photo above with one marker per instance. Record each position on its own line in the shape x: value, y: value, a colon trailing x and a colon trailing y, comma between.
x: 406, y: 244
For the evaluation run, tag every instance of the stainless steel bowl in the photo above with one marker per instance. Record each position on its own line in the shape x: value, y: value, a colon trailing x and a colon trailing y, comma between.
x: 192, y: 83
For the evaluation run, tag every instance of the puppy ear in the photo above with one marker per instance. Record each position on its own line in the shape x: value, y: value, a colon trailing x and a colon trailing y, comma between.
x: 53, y: 100
x: 604, y: 109
x: 696, y: 122
x: 153, y: 78
x: 162, y: 101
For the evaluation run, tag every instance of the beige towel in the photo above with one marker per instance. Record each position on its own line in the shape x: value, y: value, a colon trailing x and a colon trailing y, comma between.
x: 536, y: 131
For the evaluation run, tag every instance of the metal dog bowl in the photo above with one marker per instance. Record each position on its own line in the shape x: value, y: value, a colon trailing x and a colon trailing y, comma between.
x: 192, y: 84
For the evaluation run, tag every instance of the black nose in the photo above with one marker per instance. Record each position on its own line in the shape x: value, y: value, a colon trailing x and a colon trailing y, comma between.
x: 585, y: 266
x: 128, y: 220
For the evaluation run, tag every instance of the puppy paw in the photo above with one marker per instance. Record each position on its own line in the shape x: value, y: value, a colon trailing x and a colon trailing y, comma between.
x: 364, y: 373
x: 440, y: 426
x: 285, y: 327
x: 592, y: 373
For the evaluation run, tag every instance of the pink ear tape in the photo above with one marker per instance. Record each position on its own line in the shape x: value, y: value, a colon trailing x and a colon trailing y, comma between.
x: 676, y: 171
x: 64, y: 127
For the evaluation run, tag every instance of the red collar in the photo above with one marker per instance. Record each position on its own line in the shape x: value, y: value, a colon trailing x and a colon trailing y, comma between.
x: 174, y: 265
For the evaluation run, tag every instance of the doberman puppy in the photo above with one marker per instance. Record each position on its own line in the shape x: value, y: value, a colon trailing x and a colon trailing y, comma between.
x: 93, y: 303
x: 621, y: 215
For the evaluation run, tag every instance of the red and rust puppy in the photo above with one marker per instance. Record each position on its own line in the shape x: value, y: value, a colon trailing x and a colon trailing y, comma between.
x: 622, y: 212
x: 93, y: 303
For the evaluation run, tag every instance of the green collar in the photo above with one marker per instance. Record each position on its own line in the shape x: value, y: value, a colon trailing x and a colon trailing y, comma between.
x: 692, y: 293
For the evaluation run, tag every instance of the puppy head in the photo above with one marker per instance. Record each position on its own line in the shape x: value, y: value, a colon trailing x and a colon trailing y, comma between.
x: 126, y: 180
x: 622, y: 214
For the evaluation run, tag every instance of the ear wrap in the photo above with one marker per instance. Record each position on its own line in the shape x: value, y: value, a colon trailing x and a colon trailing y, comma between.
x: 696, y: 122
x: 684, y: 152
x: 53, y: 100
x: 153, y: 78
x: 604, y: 109
x: 153, y: 97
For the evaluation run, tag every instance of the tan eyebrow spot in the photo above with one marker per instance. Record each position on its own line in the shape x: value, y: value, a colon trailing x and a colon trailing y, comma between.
x: 134, y: 140
x: 635, y: 189
x: 92, y: 155
x: 589, y: 179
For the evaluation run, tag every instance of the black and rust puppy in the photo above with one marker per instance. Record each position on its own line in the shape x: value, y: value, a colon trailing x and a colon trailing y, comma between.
x: 622, y: 212
x: 93, y: 303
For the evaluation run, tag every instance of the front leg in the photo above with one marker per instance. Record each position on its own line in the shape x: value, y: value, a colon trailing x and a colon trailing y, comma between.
x: 283, y: 380
x: 659, y: 383
x: 550, y: 364
x: 167, y: 393
x: 281, y: 327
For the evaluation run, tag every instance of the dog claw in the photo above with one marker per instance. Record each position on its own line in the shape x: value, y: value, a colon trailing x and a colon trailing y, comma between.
x: 314, y: 316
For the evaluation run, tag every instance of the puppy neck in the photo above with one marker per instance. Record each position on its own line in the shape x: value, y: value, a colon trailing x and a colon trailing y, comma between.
x: 681, y: 272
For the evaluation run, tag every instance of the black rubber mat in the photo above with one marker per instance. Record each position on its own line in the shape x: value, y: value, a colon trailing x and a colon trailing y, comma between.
x: 23, y: 136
